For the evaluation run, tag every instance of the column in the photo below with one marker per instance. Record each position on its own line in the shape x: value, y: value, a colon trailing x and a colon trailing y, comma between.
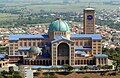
x: 107, y: 60
x: 97, y: 61
x: 100, y: 61
x: 29, y: 62
x: 24, y: 62
x: 83, y: 62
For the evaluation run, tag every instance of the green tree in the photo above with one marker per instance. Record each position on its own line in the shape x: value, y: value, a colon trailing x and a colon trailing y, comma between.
x: 9, y: 76
x: 39, y: 69
x: 99, y: 67
x: 65, y: 66
x: 1, y: 76
x: 54, y: 69
x: 16, y: 72
x: 81, y: 68
x: 3, y: 73
x: 70, y: 68
x: 49, y: 76
x: 16, y: 76
x: 116, y: 63
x: 11, y: 70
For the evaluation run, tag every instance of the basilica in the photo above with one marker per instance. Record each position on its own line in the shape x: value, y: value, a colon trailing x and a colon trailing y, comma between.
x: 59, y: 46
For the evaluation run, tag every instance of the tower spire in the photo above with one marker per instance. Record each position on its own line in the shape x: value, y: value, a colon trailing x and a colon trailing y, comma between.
x: 89, y: 5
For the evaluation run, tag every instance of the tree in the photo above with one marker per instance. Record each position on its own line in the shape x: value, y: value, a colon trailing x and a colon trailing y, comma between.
x: 11, y: 70
x: 16, y: 72
x: 39, y: 69
x: 39, y: 73
x: 65, y: 66
x: 49, y: 76
x: 99, y: 67
x: 3, y: 73
x: 1, y: 77
x: 81, y: 68
x: 70, y: 68
x: 86, y: 68
x: 16, y: 76
x: 9, y: 76
x: 54, y: 69
x: 116, y: 63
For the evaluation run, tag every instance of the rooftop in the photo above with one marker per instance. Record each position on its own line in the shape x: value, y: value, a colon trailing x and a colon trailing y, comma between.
x: 59, y: 25
x: 60, y: 38
x: 26, y: 36
x: 24, y: 48
x: 2, y: 56
x: 100, y: 55
x: 93, y: 36
x: 82, y: 48
x: 89, y: 8
x: 81, y: 53
x: 46, y: 67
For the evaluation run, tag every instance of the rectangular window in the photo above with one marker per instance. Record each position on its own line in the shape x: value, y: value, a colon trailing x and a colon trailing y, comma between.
x: 11, y: 47
x: 46, y: 43
x: 99, y: 60
x: 20, y: 43
x: 11, y: 44
x: 38, y: 44
x: 105, y: 60
x: 11, y: 53
x: 11, y: 50
x: 34, y: 44
x: 54, y: 44
x: 94, y: 44
x: 94, y: 47
x: 29, y: 43
x: 80, y: 43
x: 76, y: 43
x: 16, y: 47
x: 42, y: 44
x: 94, y: 53
x: 16, y: 44
x: 85, y: 44
x: 72, y: 44
x: 25, y: 43
x: 99, y: 44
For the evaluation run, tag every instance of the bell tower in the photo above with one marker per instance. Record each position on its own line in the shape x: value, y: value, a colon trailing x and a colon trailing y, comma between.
x: 89, y: 21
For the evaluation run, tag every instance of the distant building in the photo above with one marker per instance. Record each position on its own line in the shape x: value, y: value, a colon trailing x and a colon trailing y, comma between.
x: 59, y: 46
x: 4, y: 61
x: 28, y: 73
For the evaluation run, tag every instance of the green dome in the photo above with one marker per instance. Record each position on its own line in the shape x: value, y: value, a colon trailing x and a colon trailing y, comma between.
x: 35, y: 50
x: 59, y: 25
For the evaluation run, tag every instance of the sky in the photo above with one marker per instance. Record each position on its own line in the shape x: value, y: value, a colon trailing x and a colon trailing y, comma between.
x: 63, y: 0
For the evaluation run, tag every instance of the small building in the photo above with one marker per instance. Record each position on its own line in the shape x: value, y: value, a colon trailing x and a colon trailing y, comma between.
x: 4, y: 60
x: 28, y: 73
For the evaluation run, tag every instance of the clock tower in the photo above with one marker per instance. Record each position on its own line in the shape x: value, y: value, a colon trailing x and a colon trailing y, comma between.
x: 89, y: 21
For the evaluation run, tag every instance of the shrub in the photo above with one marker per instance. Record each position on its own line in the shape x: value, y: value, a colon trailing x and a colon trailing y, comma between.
x: 86, y: 77
x: 49, y: 76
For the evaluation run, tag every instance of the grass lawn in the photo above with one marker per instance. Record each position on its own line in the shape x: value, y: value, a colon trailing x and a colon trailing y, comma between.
x: 7, y: 17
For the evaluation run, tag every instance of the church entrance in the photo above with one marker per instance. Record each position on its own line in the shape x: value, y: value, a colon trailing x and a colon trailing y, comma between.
x: 63, y: 54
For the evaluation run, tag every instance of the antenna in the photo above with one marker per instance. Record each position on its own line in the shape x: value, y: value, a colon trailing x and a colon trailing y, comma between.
x: 89, y: 5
